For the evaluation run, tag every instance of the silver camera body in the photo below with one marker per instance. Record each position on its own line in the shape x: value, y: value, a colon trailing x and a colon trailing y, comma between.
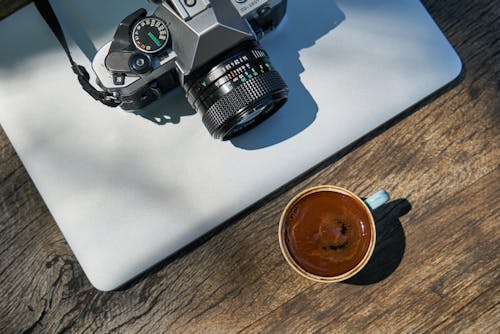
x: 208, y: 47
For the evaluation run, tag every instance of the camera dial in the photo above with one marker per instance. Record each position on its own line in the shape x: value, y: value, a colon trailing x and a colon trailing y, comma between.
x: 150, y: 35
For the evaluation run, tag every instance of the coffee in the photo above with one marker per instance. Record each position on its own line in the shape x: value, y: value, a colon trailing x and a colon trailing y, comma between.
x: 328, y: 233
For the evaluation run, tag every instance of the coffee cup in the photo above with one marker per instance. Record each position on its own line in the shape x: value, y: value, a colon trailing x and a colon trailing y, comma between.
x: 327, y: 233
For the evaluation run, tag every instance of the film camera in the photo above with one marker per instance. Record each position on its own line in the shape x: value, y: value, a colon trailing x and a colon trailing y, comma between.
x: 208, y: 47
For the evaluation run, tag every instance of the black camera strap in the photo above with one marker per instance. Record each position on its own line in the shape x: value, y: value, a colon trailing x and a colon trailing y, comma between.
x: 50, y: 17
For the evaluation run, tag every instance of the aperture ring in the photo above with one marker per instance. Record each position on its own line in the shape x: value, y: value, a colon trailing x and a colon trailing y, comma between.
x: 232, y: 63
x: 227, y: 83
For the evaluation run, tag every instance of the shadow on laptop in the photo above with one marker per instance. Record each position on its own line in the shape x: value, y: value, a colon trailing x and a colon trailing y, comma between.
x: 302, y: 26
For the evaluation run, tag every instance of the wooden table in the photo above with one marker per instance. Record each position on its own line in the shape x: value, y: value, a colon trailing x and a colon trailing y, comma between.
x: 435, y: 267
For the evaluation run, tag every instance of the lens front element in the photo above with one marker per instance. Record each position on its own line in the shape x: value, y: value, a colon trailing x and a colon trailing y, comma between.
x: 237, y: 91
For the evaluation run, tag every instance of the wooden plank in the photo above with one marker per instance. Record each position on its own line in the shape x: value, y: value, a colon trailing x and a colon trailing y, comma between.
x: 478, y: 316
x: 442, y: 159
x: 8, y: 7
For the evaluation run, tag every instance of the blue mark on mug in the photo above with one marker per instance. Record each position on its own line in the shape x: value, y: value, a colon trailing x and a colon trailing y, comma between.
x: 377, y: 200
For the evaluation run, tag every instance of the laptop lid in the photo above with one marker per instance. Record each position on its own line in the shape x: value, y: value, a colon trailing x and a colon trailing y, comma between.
x: 128, y: 190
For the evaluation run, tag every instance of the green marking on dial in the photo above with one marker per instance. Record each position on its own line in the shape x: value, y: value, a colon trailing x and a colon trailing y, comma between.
x: 154, y: 39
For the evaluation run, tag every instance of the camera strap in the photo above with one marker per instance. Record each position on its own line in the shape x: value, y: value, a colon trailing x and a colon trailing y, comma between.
x: 50, y: 17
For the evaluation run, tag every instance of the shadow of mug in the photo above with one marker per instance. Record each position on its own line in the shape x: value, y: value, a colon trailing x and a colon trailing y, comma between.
x: 390, y: 244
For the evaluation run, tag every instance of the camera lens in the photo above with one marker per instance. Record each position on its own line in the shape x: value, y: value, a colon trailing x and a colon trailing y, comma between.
x: 236, y: 91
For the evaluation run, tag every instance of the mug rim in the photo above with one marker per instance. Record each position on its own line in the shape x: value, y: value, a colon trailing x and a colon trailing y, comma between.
x: 304, y: 273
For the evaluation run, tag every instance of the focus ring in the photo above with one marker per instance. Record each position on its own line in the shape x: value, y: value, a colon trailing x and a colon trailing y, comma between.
x: 241, y: 97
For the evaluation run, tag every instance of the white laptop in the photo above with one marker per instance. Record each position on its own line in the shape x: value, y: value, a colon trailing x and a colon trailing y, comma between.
x: 128, y: 191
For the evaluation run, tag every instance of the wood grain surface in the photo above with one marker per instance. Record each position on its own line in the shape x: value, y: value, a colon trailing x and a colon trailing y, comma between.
x: 9, y: 6
x: 435, y: 266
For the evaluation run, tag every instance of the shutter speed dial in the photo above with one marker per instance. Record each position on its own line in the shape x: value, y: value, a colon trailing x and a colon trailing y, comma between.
x: 150, y: 35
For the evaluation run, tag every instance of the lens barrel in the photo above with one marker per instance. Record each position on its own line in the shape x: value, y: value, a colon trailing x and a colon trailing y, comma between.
x: 236, y: 91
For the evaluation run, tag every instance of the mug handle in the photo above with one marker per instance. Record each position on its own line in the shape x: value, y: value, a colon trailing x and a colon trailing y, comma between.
x: 377, y: 200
